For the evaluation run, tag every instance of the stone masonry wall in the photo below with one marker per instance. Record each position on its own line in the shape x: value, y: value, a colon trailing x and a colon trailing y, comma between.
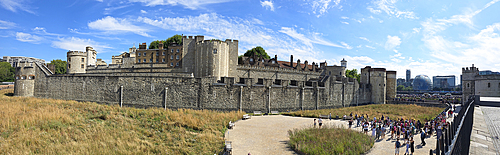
x: 149, y: 90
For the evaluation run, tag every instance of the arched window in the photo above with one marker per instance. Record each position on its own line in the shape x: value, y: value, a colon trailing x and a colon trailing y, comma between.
x: 171, y: 57
x: 177, y: 57
x: 468, y: 85
x: 251, y: 59
x: 69, y: 65
x: 215, y: 51
x: 489, y: 85
x: 177, y: 50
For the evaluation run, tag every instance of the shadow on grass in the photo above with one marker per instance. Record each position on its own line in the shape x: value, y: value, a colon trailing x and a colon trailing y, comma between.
x: 290, y: 148
x: 9, y: 94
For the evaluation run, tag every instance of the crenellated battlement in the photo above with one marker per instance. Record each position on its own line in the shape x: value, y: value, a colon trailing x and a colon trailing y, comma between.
x: 273, y: 69
x: 77, y: 53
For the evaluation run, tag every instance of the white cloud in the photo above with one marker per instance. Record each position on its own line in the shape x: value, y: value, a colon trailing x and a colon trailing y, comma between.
x: 267, y: 4
x: 6, y: 24
x: 78, y: 44
x: 345, y: 23
x: 321, y: 7
x: 14, y: 5
x: 392, y: 42
x: 480, y: 49
x: 310, y: 39
x: 142, y: 11
x: 111, y: 9
x: 389, y: 7
x: 344, y: 17
x: 257, y: 21
x: 117, y: 25
x: 42, y: 31
x: 416, y: 30
x: 369, y: 47
x: 26, y: 37
x: 363, y: 38
x: 190, y: 4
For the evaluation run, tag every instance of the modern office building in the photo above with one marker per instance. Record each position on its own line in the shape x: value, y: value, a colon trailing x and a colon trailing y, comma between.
x: 443, y: 81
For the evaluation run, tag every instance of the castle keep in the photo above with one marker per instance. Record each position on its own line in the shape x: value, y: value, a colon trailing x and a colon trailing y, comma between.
x: 205, y: 74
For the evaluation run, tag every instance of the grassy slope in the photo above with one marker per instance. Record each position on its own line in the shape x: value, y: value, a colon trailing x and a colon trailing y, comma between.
x: 329, y: 141
x: 48, y: 126
x: 377, y: 110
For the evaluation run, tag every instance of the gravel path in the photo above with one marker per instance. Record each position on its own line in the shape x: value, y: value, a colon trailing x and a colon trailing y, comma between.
x: 268, y: 135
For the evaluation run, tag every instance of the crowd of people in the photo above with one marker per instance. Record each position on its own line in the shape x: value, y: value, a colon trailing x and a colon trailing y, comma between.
x: 398, y: 128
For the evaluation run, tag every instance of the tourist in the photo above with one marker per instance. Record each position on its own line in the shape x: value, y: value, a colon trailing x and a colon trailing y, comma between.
x: 396, y: 146
x: 315, y: 123
x: 407, y: 148
x: 374, y: 130
x: 330, y: 116
x: 350, y: 123
x: 422, y: 138
x: 365, y: 127
x: 383, y: 132
x: 412, y: 145
x: 320, y: 122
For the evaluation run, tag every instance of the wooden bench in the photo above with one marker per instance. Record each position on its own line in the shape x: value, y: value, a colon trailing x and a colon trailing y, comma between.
x: 231, y: 125
x: 257, y: 113
x: 323, y: 116
x: 275, y: 112
x: 347, y: 118
x: 246, y: 116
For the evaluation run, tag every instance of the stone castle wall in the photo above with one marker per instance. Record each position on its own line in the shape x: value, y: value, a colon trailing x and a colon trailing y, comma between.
x: 149, y: 90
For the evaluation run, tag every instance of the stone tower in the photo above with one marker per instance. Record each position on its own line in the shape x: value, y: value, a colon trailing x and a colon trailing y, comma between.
x: 468, y: 81
x: 25, y: 79
x: 77, y: 62
x: 91, y: 56
x: 391, y: 85
x: 343, y: 63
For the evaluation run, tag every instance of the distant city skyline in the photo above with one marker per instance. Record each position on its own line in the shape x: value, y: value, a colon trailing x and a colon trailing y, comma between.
x: 437, y: 39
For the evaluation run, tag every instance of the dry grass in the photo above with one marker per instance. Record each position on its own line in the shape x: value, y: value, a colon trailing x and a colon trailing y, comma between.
x: 377, y: 110
x: 48, y: 126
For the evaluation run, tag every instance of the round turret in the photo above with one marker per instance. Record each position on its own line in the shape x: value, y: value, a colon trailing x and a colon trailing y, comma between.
x: 24, y: 84
x: 77, y: 61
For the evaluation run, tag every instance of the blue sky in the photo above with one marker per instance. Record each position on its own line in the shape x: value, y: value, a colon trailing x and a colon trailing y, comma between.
x: 429, y: 37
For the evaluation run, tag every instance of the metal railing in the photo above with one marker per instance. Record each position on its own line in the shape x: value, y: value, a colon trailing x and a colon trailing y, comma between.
x: 456, y: 138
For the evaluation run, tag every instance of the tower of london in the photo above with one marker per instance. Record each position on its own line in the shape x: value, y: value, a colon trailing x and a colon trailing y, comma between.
x: 205, y: 74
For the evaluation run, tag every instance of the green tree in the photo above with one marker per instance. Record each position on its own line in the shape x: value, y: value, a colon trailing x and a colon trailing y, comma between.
x: 258, y: 51
x: 60, y: 66
x: 154, y: 44
x: 176, y: 38
x: 6, y: 72
x: 352, y: 74
x: 400, y: 88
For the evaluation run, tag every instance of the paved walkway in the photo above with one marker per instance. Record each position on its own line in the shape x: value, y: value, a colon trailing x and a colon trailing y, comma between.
x: 485, y: 131
x: 268, y: 135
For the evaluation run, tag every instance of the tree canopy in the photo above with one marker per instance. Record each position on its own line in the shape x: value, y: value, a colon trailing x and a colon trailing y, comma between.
x: 258, y: 51
x: 176, y: 38
x: 352, y: 74
x: 6, y: 72
x: 60, y: 66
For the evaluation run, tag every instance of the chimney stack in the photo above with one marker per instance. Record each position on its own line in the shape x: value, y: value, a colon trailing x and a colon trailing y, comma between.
x: 291, y: 60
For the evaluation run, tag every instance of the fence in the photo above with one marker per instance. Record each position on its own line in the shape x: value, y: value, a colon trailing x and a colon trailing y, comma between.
x: 456, y: 138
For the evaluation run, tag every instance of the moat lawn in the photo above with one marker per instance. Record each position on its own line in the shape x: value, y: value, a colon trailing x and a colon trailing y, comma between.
x: 376, y: 110
x: 47, y: 126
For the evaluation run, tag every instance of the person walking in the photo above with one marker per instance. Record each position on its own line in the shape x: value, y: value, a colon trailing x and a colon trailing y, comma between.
x: 350, y: 123
x: 422, y: 137
x: 412, y: 145
x: 396, y: 147
x: 320, y: 122
x: 407, y: 152
x: 315, y: 123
